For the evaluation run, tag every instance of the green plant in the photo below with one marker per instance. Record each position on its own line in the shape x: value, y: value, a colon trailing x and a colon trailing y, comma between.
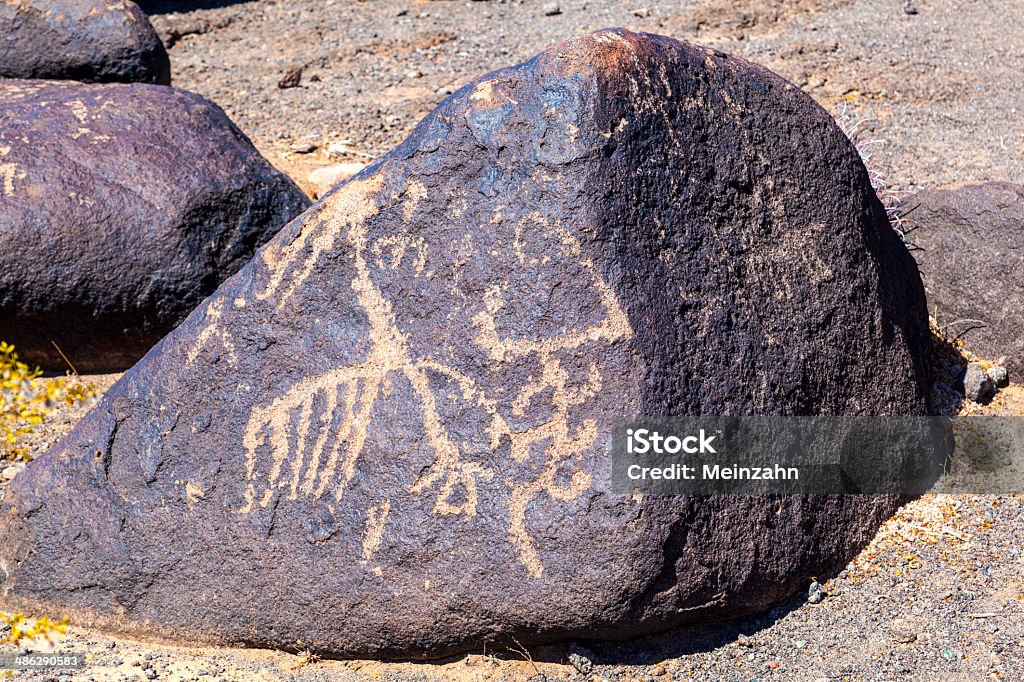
x: 26, y: 400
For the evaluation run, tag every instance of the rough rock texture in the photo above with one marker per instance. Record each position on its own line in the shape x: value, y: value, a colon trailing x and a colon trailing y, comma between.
x: 972, y: 263
x: 122, y: 207
x: 81, y: 40
x: 394, y: 425
x: 978, y: 385
x: 1000, y: 376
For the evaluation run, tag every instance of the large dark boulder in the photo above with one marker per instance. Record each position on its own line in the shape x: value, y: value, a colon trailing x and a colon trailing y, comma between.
x: 81, y: 40
x: 971, y: 240
x: 389, y: 434
x: 122, y: 207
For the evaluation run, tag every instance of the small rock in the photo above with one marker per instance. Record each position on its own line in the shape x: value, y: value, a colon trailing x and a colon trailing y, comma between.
x: 325, y: 179
x: 150, y: 674
x: 303, y: 147
x: 552, y: 9
x: 292, y: 77
x: 816, y: 593
x: 414, y: 73
x: 658, y: 670
x: 902, y: 632
x: 744, y: 641
x: 910, y: 8
x: 444, y: 91
x: 642, y: 12
x: 977, y: 384
x: 9, y: 472
x: 999, y: 376
x: 581, y: 659
x: 202, y: 672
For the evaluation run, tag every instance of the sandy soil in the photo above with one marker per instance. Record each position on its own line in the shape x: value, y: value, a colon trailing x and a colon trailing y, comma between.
x: 939, y: 594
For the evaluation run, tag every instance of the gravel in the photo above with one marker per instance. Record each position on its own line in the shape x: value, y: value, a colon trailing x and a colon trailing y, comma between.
x: 940, y: 86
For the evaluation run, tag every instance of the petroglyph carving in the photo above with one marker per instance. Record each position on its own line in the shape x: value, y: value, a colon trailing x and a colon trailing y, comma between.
x: 376, y: 517
x: 8, y: 173
x: 308, y: 440
x: 213, y: 331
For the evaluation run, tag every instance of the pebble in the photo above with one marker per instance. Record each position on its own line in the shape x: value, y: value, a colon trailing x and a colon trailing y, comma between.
x: 999, y: 376
x: 303, y: 147
x: 325, y: 179
x: 816, y: 593
x: 581, y: 659
x: 10, y: 471
x: 292, y: 77
x: 551, y: 9
x: 902, y: 632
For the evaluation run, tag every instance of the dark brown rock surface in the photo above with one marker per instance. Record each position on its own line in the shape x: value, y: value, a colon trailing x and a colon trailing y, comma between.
x: 122, y: 207
x: 972, y: 263
x: 81, y: 40
x: 389, y: 434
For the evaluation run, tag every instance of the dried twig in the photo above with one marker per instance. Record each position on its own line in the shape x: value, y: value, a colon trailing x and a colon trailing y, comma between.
x: 73, y: 370
x: 522, y: 651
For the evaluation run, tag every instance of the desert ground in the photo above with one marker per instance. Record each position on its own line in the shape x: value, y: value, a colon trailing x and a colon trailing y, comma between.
x: 931, y: 88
